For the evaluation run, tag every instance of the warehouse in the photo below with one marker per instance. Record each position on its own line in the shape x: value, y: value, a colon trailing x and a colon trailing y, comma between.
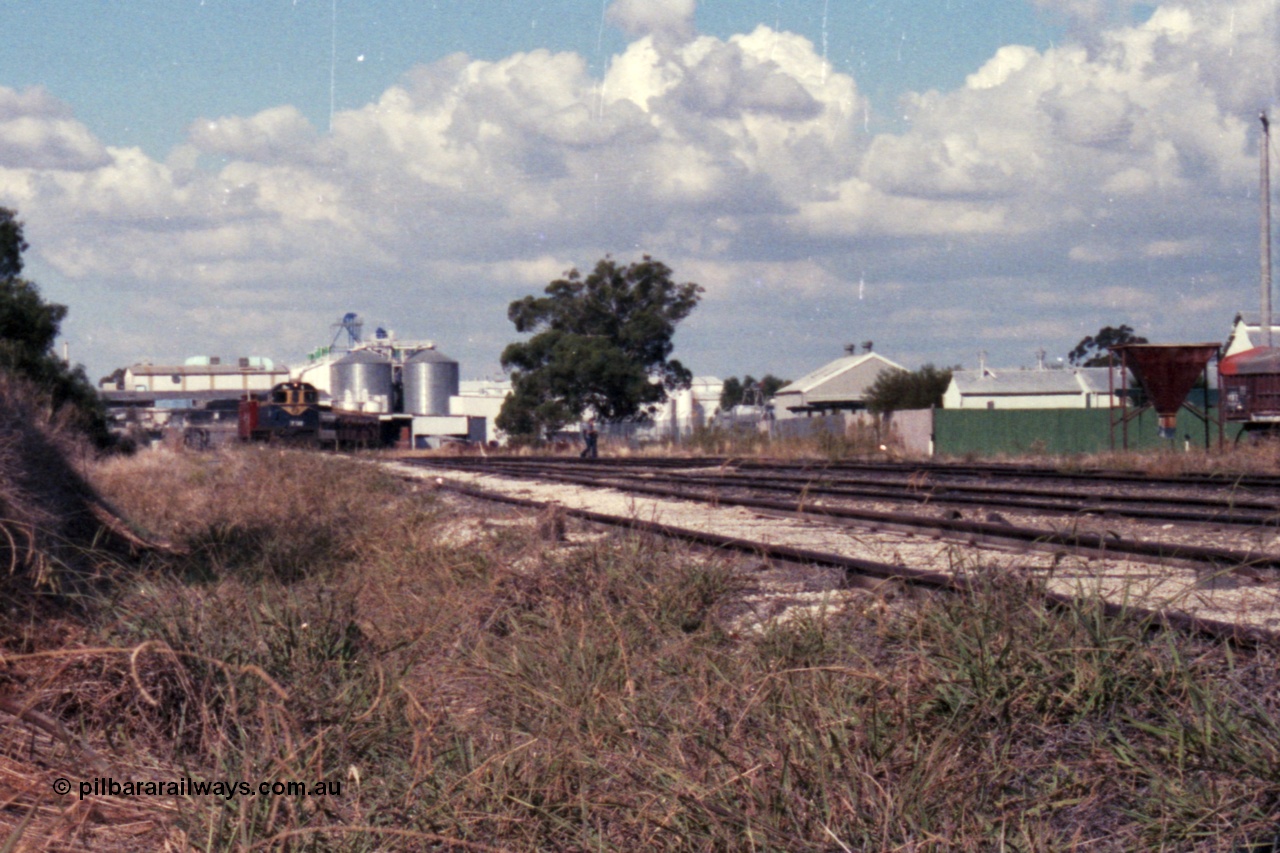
x: 1021, y: 388
x: 205, y: 373
x: 840, y: 386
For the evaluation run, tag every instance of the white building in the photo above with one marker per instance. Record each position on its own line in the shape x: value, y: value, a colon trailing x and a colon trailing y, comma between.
x: 1022, y: 388
x: 1246, y: 333
x: 841, y: 385
x: 206, y: 373
x: 682, y: 413
x: 482, y: 398
x: 695, y: 406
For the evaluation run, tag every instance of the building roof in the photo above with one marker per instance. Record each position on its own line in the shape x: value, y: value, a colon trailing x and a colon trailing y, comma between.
x: 1246, y: 332
x: 843, y: 380
x: 1027, y: 383
x: 1253, y: 361
x: 200, y: 369
x: 484, y: 387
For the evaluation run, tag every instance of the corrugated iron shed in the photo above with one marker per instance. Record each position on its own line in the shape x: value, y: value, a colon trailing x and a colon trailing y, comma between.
x: 840, y: 384
x: 1073, y: 381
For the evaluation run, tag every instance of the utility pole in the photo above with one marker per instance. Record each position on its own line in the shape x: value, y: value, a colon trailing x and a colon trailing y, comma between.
x: 1264, y: 157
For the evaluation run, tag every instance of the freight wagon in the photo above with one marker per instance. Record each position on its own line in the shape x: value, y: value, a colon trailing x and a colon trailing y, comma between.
x: 1249, y: 383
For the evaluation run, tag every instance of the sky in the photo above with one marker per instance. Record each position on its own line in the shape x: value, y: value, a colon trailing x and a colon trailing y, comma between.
x: 942, y: 177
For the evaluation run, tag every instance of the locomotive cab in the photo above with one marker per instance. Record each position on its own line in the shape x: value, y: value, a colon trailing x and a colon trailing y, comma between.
x: 290, y: 412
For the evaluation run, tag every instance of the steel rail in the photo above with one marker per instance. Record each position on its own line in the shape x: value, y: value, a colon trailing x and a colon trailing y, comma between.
x: 1242, y: 635
x: 971, y: 532
x: 1013, y: 471
x: 990, y: 470
x: 899, y: 495
x: 947, y: 487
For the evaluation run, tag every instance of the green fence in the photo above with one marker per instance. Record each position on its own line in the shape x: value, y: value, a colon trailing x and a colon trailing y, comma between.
x: 987, y: 432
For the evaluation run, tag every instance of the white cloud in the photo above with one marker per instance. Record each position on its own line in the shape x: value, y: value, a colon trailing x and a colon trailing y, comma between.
x: 37, y: 132
x: 667, y: 19
x: 743, y: 160
x: 280, y: 134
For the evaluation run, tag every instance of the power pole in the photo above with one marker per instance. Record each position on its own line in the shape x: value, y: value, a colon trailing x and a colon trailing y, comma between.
x: 1264, y: 157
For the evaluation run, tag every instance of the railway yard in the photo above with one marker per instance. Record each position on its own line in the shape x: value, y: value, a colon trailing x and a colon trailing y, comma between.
x: 1196, y: 553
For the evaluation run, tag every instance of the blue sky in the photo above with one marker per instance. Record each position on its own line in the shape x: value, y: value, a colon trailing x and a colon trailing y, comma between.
x: 138, y: 72
x: 942, y: 176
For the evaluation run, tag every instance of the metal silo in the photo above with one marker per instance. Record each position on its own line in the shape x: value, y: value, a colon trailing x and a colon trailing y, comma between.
x: 362, y: 382
x: 430, y: 379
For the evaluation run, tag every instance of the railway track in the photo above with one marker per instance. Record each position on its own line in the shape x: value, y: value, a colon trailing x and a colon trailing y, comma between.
x: 989, y: 471
x: 1231, y: 507
x: 1212, y: 562
x: 1234, y: 632
x: 810, y: 491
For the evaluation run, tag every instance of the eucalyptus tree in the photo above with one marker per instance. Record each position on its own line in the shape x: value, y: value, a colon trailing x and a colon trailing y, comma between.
x: 600, y: 343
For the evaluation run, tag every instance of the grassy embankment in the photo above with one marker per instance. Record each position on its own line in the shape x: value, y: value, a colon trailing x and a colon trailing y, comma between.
x: 471, y: 684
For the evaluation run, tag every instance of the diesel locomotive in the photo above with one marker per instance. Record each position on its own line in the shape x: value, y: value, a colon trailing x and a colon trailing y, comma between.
x: 292, y: 413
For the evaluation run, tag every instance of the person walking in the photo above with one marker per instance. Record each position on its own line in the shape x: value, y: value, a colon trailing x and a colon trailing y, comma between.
x: 591, y: 439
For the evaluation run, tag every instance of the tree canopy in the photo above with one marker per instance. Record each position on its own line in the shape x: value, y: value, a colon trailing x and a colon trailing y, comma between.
x: 1092, y: 351
x: 898, y: 390
x: 11, y: 244
x: 736, y: 391
x: 29, y: 327
x: 600, y: 342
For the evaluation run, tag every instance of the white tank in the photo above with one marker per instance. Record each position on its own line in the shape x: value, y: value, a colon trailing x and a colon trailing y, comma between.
x: 430, y: 378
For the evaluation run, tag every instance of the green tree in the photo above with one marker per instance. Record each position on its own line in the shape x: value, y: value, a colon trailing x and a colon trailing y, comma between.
x: 28, y: 328
x: 898, y: 390
x: 1092, y: 350
x: 11, y: 244
x: 736, y: 391
x: 601, y: 343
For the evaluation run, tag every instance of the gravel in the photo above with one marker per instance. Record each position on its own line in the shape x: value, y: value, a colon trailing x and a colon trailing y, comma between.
x: 1245, y: 597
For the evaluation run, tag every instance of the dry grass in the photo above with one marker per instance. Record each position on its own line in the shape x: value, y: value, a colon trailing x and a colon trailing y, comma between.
x: 1246, y: 458
x: 47, y: 521
x: 475, y: 686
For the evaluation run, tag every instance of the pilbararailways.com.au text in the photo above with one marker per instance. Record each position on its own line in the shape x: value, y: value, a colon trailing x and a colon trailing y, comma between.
x: 188, y: 787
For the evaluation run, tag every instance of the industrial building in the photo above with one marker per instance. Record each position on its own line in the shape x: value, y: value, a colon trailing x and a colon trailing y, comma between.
x: 204, y: 373
x: 686, y: 410
x: 482, y: 398
x: 1246, y: 333
x: 1038, y: 388
x: 409, y: 385
x: 202, y: 392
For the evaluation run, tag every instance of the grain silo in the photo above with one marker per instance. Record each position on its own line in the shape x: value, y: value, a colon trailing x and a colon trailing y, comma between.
x: 362, y: 381
x: 430, y: 379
